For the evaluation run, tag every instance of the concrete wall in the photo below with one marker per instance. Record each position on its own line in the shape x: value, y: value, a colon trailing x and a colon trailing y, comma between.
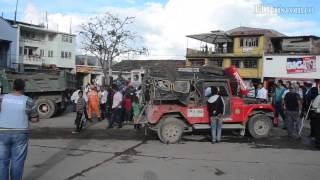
x: 9, y: 33
x: 277, y: 67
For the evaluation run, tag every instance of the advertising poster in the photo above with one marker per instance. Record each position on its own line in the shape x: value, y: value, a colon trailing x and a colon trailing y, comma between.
x: 301, y: 64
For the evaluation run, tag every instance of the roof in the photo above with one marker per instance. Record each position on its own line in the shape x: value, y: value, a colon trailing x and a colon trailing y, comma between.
x: 242, y: 30
x: 294, y: 37
x: 12, y: 22
x: 213, y: 37
x: 152, y: 65
x: 35, y: 27
x: 226, y: 36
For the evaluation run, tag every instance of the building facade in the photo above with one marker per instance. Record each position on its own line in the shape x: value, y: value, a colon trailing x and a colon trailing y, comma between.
x: 242, y: 47
x: 88, y: 70
x: 295, y: 58
x: 8, y: 44
x: 38, y: 46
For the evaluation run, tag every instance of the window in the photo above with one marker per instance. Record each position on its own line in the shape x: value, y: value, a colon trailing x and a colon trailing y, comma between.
x: 249, y: 42
x: 41, y: 52
x: 216, y: 62
x: 91, y: 61
x: 25, y: 51
x: 62, y: 54
x: 66, y: 38
x: 20, y: 50
x: 30, y: 52
x: 51, y: 37
x: 236, y: 63
x: 250, y: 63
x: 50, y: 53
x: 197, y: 62
x: 69, y: 54
x: 80, y: 61
x: 65, y: 54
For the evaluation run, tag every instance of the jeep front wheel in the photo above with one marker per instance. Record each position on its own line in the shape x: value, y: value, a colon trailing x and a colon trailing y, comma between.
x: 259, y: 126
x: 171, y: 130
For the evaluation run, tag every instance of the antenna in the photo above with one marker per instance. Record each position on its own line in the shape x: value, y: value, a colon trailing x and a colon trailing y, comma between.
x: 15, y: 12
x: 47, y: 19
x: 70, y: 28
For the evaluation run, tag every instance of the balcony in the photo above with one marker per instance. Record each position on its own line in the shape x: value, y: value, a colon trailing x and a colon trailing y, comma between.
x: 208, y: 52
x: 32, y: 42
x: 31, y: 60
x: 193, y: 53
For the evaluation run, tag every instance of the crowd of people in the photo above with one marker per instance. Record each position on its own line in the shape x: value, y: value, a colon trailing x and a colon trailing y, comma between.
x: 292, y: 102
x: 119, y: 103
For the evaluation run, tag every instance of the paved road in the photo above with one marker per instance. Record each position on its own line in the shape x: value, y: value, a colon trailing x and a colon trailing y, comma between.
x: 123, y: 154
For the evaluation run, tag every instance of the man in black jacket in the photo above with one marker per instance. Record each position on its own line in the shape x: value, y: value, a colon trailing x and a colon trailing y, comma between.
x: 216, y: 110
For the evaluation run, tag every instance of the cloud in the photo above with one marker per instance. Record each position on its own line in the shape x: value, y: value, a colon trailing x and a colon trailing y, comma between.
x: 164, y: 26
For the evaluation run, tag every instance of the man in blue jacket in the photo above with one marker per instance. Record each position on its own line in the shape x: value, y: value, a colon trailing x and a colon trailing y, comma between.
x: 16, y: 110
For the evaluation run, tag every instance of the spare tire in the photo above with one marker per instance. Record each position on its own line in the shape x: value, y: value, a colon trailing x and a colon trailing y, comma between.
x: 46, y: 108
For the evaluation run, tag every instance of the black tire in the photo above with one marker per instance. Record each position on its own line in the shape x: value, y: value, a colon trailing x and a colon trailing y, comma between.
x: 170, y: 130
x: 46, y: 108
x: 259, y: 126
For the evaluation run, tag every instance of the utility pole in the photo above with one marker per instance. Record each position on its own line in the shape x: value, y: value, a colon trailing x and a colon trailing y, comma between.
x: 15, y: 12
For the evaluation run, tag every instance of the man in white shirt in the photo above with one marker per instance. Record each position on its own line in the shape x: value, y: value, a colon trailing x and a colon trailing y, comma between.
x: 74, y: 99
x: 116, y: 108
x: 103, y: 94
x: 252, y: 91
x: 262, y: 94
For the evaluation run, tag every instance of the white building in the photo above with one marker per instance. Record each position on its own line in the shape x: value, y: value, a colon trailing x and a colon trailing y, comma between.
x: 38, y: 46
x: 292, y: 67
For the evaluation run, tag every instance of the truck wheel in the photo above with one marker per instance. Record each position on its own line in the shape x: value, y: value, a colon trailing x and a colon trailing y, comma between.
x: 46, y: 108
x: 171, y: 130
x: 259, y: 126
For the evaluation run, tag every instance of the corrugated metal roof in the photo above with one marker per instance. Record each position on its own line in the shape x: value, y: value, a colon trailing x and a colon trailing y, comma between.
x: 226, y: 36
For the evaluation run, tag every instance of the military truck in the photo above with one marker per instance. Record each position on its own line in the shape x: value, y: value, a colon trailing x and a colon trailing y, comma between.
x: 49, y: 88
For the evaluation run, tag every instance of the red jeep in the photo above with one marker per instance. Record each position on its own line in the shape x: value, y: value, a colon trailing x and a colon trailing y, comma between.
x: 177, y: 104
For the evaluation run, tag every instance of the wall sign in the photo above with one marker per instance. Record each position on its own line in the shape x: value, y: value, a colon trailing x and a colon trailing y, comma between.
x: 301, y: 65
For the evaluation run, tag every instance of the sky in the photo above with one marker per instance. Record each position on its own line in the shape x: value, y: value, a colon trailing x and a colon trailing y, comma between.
x: 164, y: 24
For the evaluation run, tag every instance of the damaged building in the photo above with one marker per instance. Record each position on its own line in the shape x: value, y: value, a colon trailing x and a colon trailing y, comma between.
x: 254, y: 51
x: 242, y: 47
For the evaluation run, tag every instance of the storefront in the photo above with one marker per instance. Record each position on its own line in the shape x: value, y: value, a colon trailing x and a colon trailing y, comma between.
x: 88, y: 75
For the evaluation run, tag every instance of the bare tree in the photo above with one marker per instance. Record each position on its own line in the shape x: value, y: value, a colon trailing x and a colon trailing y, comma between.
x: 106, y: 37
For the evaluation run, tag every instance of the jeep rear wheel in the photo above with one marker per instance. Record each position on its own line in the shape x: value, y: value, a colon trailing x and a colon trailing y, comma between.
x: 259, y: 126
x: 171, y: 130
